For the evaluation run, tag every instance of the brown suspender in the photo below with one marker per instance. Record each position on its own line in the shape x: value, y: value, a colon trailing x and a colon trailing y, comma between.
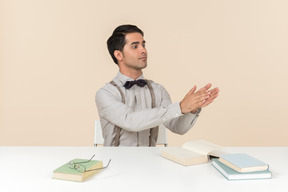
x: 116, y: 128
x: 153, y: 131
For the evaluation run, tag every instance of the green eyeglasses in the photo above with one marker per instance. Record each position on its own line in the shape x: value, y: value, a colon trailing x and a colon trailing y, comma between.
x: 82, y: 168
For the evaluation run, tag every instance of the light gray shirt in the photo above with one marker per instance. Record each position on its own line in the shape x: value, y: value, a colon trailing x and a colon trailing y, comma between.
x: 136, y: 116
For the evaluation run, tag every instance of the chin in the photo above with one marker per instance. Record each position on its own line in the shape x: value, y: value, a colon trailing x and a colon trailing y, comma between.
x: 142, y: 65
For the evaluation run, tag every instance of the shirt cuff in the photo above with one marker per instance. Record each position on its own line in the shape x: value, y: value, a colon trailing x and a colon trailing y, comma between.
x: 175, y: 110
x: 197, y: 112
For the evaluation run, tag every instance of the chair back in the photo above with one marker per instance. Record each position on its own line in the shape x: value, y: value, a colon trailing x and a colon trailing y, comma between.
x: 98, y: 137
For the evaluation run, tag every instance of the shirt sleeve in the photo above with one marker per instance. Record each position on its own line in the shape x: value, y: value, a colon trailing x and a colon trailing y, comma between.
x: 183, y: 122
x: 113, y: 110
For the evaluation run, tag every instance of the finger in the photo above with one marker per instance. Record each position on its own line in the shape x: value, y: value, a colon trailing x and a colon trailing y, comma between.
x: 197, y: 105
x: 202, y: 103
x: 192, y: 90
x: 207, y: 103
x: 206, y: 87
x: 212, y: 94
x: 200, y: 99
x: 212, y: 97
x: 210, y: 100
x: 215, y: 90
x: 203, y: 95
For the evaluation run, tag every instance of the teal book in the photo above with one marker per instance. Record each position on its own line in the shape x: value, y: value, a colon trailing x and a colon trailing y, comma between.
x: 231, y: 174
x: 81, y: 173
x: 242, y: 162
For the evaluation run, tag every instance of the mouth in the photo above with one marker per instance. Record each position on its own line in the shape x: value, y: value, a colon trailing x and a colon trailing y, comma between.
x: 143, y: 58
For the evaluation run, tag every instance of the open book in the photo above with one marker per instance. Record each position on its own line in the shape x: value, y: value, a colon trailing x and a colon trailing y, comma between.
x: 193, y: 152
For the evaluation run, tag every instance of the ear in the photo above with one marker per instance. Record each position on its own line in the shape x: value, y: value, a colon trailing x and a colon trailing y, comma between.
x: 119, y: 55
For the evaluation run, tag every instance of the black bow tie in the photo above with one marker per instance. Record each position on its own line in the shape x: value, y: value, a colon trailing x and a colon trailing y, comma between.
x: 139, y: 82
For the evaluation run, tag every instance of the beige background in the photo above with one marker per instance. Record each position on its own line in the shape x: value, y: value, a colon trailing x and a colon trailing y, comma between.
x: 54, y: 59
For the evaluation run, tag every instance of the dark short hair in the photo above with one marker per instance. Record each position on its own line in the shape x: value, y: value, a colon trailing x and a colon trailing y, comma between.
x: 117, y: 39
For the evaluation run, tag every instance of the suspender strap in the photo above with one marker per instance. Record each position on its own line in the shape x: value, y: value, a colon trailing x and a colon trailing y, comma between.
x: 121, y: 92
x: 153, y: 131
x: 118, y: 129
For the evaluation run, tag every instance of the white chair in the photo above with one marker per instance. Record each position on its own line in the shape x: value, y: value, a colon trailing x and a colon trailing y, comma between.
x: 162, y: 136
x: 98, y: 137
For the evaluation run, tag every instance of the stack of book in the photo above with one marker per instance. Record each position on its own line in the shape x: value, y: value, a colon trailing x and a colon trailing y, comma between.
x: 241, y: 166
x: 233, y: 166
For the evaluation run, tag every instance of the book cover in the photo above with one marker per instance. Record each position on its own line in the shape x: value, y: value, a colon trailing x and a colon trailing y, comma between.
x: 231, y: 174
x: 242, y: 162
x: 65, y: 172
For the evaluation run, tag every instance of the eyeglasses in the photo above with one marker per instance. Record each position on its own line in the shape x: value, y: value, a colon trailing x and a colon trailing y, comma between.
x: 82, y: 168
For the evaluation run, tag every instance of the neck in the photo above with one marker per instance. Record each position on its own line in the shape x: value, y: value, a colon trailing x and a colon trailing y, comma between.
x: 133, y: 74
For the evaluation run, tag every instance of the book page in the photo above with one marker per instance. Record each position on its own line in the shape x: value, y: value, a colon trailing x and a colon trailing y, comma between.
x: 216, y: 153
x: 184, y: 156
x: 203, y: 147
x: 181, y: 152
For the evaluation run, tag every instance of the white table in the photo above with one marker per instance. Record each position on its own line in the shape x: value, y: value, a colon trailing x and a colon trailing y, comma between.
x: 131, y: 169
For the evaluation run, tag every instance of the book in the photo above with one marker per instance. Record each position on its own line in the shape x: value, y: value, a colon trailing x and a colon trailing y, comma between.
x: 192, y: 152
x: 231, y: 174
x: 65, y: 172
x: 242, y: 162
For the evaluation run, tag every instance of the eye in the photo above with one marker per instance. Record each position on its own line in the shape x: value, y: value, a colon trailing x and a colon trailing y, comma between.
x: 134, y: 47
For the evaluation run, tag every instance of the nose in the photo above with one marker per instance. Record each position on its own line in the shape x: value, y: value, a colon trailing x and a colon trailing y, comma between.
x: 143, y: 49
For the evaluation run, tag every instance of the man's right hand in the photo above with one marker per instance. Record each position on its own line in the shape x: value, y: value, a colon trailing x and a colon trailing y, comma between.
x: 195, y: 100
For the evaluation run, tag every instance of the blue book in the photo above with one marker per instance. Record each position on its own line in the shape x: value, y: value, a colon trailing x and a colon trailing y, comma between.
x: 242, y: 162
x: 231, y: 174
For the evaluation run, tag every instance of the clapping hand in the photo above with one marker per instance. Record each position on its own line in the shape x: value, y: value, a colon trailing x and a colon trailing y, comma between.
x: 194, y: 100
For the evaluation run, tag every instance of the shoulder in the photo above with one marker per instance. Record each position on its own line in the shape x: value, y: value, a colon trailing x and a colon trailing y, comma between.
x: 154, y: 84
x: 107, y: 90
x: 157, y: 86
x: 161, y: 94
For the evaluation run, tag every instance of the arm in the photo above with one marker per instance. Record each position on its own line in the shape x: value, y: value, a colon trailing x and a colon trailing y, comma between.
x: 191, y: 106
x: 184, y: 122
x: 113, y: 110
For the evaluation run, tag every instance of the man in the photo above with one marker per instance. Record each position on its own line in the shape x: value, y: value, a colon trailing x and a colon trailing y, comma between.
x: 131, y: 107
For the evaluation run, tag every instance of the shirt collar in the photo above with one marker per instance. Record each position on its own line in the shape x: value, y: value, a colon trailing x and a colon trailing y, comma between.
x: 122, y: 78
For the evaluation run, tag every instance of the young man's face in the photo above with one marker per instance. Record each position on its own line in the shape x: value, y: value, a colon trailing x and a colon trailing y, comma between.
x: 134, y: 51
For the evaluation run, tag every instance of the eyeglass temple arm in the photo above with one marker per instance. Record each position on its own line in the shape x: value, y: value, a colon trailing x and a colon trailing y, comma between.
x: 107, y: 164
x: 100, y: 168
x: 86, y: 161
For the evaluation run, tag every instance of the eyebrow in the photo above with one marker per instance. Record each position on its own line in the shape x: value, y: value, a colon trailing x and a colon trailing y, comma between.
x: 137, y: 42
